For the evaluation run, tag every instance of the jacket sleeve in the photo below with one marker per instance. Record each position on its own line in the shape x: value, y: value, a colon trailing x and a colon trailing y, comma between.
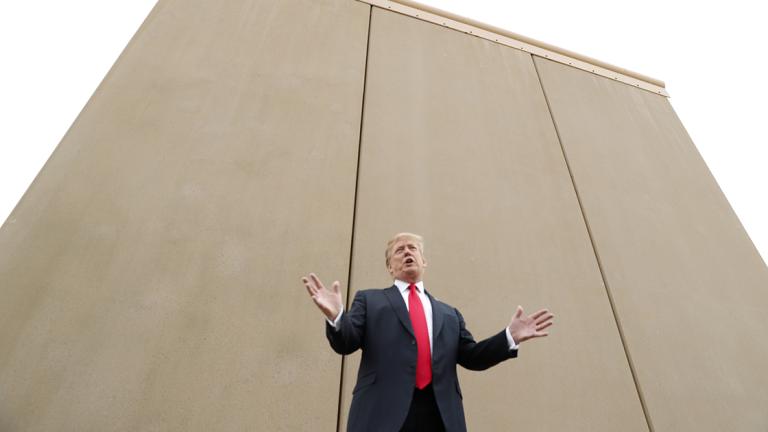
x: 349, y: 333
x: 484, y: 354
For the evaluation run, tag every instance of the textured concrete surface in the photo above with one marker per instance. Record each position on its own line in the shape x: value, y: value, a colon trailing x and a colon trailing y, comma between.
x: 150, y: 275
x: 690, y: 288
x: 458, y: 145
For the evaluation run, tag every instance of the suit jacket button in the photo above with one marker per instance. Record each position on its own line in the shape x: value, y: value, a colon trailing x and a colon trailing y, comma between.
x: 413, y: 342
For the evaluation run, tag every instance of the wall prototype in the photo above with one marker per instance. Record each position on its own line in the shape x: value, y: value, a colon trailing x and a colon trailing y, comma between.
x: 474, y: 164
x: 687, y: 282
x: 150, y: 274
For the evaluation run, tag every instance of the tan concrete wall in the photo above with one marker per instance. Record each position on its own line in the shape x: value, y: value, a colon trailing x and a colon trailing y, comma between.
x: 458, y: 145
x: 690, y: 289
x: 150, y: 275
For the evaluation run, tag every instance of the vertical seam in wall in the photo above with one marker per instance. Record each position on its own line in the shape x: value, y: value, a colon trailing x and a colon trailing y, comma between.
x: 597, y: 255
x: 354, y: 209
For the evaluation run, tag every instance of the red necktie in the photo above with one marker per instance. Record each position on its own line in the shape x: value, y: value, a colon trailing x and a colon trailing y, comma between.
x: 419, y: 323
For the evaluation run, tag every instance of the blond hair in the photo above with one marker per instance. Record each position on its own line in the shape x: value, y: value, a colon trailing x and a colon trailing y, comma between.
x: 397, y: 237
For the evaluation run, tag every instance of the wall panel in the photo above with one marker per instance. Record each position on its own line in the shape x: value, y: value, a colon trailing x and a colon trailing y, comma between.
x: 150, y: 275
x: 689, y: 286
x: 458, y: 145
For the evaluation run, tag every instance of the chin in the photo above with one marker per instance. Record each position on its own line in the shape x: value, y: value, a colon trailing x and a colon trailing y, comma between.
x: 412, y: 275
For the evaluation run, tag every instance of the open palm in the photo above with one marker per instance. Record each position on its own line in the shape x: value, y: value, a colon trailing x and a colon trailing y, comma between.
x: 327, y: 300
x: 523, y: 327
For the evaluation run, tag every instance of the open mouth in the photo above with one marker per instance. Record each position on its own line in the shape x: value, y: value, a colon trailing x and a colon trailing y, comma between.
x: 409, y: 260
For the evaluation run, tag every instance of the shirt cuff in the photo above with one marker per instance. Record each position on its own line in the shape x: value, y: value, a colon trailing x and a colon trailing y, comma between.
x: 510, y: 341
x: 335, y: 322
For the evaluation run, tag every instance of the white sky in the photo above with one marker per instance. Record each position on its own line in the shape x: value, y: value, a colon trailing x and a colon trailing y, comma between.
x: 710, y: 54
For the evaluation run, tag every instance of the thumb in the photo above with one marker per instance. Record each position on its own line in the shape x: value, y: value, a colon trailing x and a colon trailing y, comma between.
x: 519, y: 311
x: 336, y: 285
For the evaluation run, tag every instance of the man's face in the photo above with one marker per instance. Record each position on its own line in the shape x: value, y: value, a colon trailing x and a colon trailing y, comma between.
x: 406, y: 261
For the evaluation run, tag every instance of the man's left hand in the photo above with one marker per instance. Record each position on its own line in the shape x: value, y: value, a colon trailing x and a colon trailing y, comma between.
x: 524, y: 327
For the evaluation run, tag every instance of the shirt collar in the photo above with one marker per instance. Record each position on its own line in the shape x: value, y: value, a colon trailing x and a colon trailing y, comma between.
x: 403, y: 286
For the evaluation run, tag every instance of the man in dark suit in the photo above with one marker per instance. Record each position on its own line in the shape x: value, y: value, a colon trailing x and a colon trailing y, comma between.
x: 411, y: 345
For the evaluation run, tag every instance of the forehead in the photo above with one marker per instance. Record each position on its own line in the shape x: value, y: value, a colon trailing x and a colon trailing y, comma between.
x: 405, y: 242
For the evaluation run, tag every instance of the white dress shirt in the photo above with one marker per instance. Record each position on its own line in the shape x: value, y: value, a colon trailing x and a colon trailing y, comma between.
x: 427, y: 305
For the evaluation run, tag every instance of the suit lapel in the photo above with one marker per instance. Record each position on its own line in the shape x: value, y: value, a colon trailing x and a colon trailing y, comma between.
x: 397, y: 303
x: 437, y: 318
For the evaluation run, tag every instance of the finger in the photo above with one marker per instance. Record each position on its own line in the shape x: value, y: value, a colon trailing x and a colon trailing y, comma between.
x: 308, y: 282
x: 336, y: 286
x: 519, y: 311
x: 544, y: 318
x: 543, y: 326
x: 316, y: 280
x: 310, y: 288
x: 541, y: 334
x: 538, y: 313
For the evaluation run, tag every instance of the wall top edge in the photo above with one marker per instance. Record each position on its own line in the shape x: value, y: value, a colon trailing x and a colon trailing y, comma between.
x: 524, y: 43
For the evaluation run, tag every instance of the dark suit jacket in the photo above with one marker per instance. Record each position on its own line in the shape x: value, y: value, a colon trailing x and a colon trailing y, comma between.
x: 379, y: 324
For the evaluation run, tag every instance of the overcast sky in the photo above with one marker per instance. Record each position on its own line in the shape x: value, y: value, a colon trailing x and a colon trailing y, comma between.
x: 55, y: 54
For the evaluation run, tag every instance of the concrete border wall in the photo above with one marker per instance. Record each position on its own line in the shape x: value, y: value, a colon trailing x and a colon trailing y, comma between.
x: 687, y: 283
x: 150, y: 274
x: 475, y: 165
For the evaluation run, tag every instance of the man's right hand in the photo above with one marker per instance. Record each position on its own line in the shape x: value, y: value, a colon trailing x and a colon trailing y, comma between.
x: 327, y: 300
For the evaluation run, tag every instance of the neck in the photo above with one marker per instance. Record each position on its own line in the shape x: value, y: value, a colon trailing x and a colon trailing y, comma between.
x: 409, y: 280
